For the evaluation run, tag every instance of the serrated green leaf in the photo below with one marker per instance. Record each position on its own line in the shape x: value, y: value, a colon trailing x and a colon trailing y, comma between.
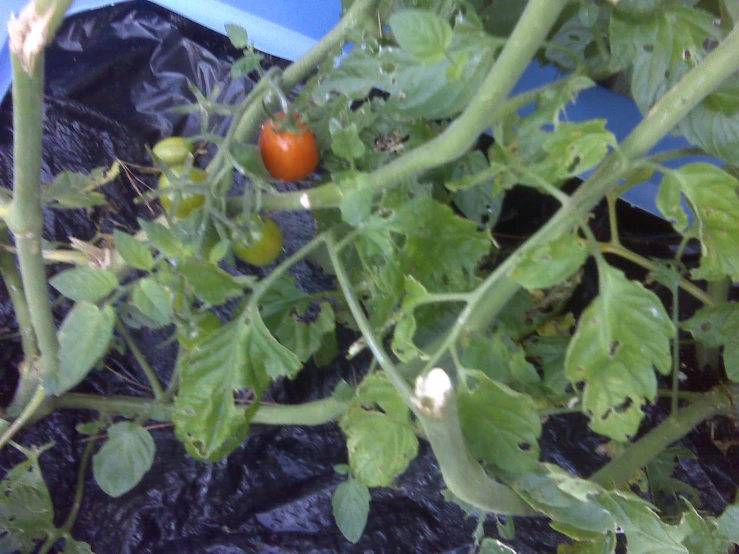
x: 500, y: 426
x: 494, y: 546
x: 345, y: 140
x: 575, y: 148
x: 703, y: 533
x: 417, y: 88
x: 206, y: 418
x: 84, y: 283
x: 402, y: 344
x: 133, y: 252
x: 714, y: 197
x: 209, y: 282
x: 728, y: 523
x: 568, y: 500
x: 266, y: 355
x: 645, y: 532
x: 376, y: 391
x: 303, y: 339
x: 621, y: 337
x: 152, y: 299
x: 380, y: 447
x: 474, y: 192
x: 501, y: 359
x: 664, y: 488
x: 714, y: 325
x: 237, y: 35
x: 421, y: 33
x: 661, y: 49
x: 351, y: 508
x: 162, y: 238
x: 550, y: 353
x: 550, y: 263
x: 26, y: 510
x: 124, y: 459
x: 84, y: 338
x: 77, y: 190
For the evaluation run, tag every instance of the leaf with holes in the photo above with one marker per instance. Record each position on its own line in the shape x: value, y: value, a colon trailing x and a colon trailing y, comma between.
x: 621, y: 337
x: 501, y: 426
x: 713, y: 195
x: 206, y: 417
x: 550, y: 263
x: 124, y: 459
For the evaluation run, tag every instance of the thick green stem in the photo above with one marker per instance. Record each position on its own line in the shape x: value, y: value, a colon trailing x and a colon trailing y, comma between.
x: 13, y: 283
x: 617, y: 473
x: 28, y: 36
x: 317, y: 412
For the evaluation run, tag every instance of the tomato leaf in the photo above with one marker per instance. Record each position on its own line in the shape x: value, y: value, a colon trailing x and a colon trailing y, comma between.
x: 351, y: 508
x: 84, y: 338
x: 124, y: 459
x: 357, y: 197
x: 380, y: 438
x: 84, y: 283
x: 72, y: 546
x: 133, y: 252
x: 500, y: 426
x: 717, y: 326
x: 77, y: 190
x: 266, y: 355
x: 423, y: 34
x: 345, y: 140
x: 714, y: 196
x: 162, y: 238
x: 622, y: 335
x: 661, y: 49
x: 645, y: 532
x: 304, y: 339
x: 568, y: 500
x: 501, y: 359
x: 26, y: 510
x: 249, y: 158
x: 728, y: 523
x: 550, y: 263
x: 152, y: 299
x: 237, y: 35
x: 703, y: 533
x: 209, y: 282
x: 575, y: 148
x: 206, y: 418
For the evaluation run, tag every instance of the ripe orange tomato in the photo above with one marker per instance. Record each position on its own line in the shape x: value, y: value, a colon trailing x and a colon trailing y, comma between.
x: 265, y: 247
x: 290, y: 156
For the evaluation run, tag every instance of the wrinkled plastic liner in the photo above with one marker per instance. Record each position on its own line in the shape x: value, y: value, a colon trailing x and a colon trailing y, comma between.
x: 112, y: 75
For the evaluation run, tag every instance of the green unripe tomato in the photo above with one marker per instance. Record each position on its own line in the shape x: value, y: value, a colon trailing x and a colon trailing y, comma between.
x: 189, y: 201
x: 265, y: 247
x: 200, y: 329
x: 173, y: 150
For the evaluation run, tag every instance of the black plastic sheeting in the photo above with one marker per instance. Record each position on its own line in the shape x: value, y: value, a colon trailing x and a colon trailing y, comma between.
x: 112, y: 74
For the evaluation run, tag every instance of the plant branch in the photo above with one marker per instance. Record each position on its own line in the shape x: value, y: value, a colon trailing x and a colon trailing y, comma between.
x: 80, y: 490
x: 617, y: 473
x: 317, y: 412
x: 12, y: 280
x: 625, y: 253
x: 36, y: 402
x: 156, y: 385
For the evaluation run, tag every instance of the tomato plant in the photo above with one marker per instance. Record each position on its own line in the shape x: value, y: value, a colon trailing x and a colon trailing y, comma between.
x: 289, y: 155
x: 478, y: 343
x: 187, y: 201
x: 265, y: 245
